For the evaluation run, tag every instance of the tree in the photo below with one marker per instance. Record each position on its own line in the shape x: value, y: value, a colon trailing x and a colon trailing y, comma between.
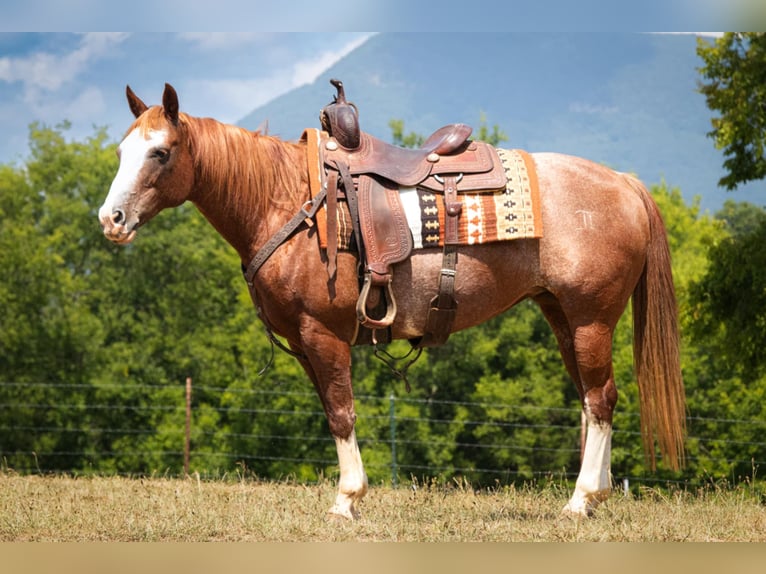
x: 741, y: 217
x: 735, y: 86
x: 49, y: 341
x: 726, y: 378
x: 399, y: 138
x: 730, y: 301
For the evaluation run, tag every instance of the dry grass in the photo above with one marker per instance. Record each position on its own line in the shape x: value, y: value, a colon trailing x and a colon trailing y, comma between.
x: 34, y: 508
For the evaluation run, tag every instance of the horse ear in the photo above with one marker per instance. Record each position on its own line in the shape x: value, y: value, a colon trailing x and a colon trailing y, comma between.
x: 170, y: 103
x: 137, y: 106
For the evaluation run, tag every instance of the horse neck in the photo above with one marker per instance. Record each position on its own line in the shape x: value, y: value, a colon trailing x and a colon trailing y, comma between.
x: 247, y: 185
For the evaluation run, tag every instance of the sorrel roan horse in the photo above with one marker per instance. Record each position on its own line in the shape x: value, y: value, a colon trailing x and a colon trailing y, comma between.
x: 604, y: 241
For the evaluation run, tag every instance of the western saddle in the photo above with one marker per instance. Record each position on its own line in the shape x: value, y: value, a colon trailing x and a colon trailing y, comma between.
x: 368, y: 172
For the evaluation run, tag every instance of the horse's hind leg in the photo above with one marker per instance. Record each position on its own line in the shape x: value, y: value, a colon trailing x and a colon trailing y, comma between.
x: 328, y: 365
x: 593, y: 351
x: 561, y: 329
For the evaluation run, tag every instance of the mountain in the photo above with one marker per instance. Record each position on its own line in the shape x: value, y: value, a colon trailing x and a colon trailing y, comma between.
x: 629, y: 101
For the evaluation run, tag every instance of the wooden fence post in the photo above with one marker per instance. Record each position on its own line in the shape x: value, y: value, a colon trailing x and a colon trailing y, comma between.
x: 187, y: 442
x: 392, y: 416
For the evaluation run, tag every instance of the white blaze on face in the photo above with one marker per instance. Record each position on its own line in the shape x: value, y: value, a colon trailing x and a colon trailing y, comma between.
x: 134, y: 150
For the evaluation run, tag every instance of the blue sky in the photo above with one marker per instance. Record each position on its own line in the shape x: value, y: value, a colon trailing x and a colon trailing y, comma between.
x: 81, y: 78
x: 382, y: 15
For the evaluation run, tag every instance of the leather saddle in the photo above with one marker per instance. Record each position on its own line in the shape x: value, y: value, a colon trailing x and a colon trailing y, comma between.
x: 368, y: 172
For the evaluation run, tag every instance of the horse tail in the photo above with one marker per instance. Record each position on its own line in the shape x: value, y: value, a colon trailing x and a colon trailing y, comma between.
x: 656, y: 356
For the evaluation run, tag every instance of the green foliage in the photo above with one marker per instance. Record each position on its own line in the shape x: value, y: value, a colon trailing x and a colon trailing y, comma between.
x: 741, y: 218
x: 730, y: 297
x: 399, y: 138
x: 494, y: 137
x: 725, y: 321
x: 734, y: 85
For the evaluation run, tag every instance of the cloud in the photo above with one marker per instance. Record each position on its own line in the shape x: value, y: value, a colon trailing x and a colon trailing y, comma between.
x: 45, y: 71
x: 213, y: 41
x: 592, y: 109
x: 233, y: 97
x: 50, y: 86
x: 703, y: 34
x: 307, y: 71
x: 87, y: 104
x: 239, y: 96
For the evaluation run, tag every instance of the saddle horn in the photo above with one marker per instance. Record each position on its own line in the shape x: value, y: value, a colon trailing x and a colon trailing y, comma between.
x: 340, y: 119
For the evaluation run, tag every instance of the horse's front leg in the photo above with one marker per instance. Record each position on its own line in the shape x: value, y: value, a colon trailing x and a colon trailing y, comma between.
x: 353, y: 480
x: 328, y: 364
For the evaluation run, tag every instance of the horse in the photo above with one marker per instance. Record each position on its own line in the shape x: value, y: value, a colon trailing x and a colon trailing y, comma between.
x: 604, y: 242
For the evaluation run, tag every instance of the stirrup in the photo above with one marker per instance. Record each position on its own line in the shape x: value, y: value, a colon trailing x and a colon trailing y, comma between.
x: 361, y: 305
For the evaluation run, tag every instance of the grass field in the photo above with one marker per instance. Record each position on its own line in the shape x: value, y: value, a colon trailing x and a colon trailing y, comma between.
x: 56, y: 508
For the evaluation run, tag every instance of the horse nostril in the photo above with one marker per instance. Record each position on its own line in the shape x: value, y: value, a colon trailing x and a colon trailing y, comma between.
x: 118, y: 216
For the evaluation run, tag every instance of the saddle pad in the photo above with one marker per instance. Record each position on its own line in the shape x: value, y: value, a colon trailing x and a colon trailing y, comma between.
x: 513, y: 213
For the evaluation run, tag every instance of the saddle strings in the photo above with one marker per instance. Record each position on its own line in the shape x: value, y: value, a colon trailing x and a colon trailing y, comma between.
x: 391, y: 362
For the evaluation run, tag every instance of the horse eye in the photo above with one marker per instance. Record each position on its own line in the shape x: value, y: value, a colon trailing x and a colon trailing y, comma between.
x: 160, y: 154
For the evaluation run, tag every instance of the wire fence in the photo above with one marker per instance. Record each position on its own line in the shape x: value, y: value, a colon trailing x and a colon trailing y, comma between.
x: 306, y: 441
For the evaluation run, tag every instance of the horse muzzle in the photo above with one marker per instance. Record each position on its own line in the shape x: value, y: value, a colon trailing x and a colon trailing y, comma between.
x: 116, y: 227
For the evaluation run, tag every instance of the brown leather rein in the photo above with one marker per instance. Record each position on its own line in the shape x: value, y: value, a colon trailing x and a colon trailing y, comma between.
x: 305, y: 215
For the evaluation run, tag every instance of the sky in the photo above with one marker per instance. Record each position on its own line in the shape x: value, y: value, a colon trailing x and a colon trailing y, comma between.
x: 56, y: 75
x: 382, y: 15
x: 81, y: 78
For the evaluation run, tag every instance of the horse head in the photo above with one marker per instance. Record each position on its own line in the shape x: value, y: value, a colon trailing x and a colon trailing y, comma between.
x: 156, y: 170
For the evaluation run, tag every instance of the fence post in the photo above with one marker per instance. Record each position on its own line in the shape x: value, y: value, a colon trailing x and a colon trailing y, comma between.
x: 187, y: 441
x: 392, y: 416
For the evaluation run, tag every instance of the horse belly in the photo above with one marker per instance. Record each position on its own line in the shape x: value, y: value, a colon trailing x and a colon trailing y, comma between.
x: 489, y: 280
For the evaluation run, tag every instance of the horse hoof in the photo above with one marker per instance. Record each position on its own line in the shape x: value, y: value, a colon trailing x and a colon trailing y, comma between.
x: 344, y: 513
x: 577, y: 511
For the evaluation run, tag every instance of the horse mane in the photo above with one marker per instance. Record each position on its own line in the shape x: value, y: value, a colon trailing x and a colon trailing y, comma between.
x: 248, y: 171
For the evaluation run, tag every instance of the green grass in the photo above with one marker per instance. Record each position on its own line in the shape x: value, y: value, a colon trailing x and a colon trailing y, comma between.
x: 62, y: 508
